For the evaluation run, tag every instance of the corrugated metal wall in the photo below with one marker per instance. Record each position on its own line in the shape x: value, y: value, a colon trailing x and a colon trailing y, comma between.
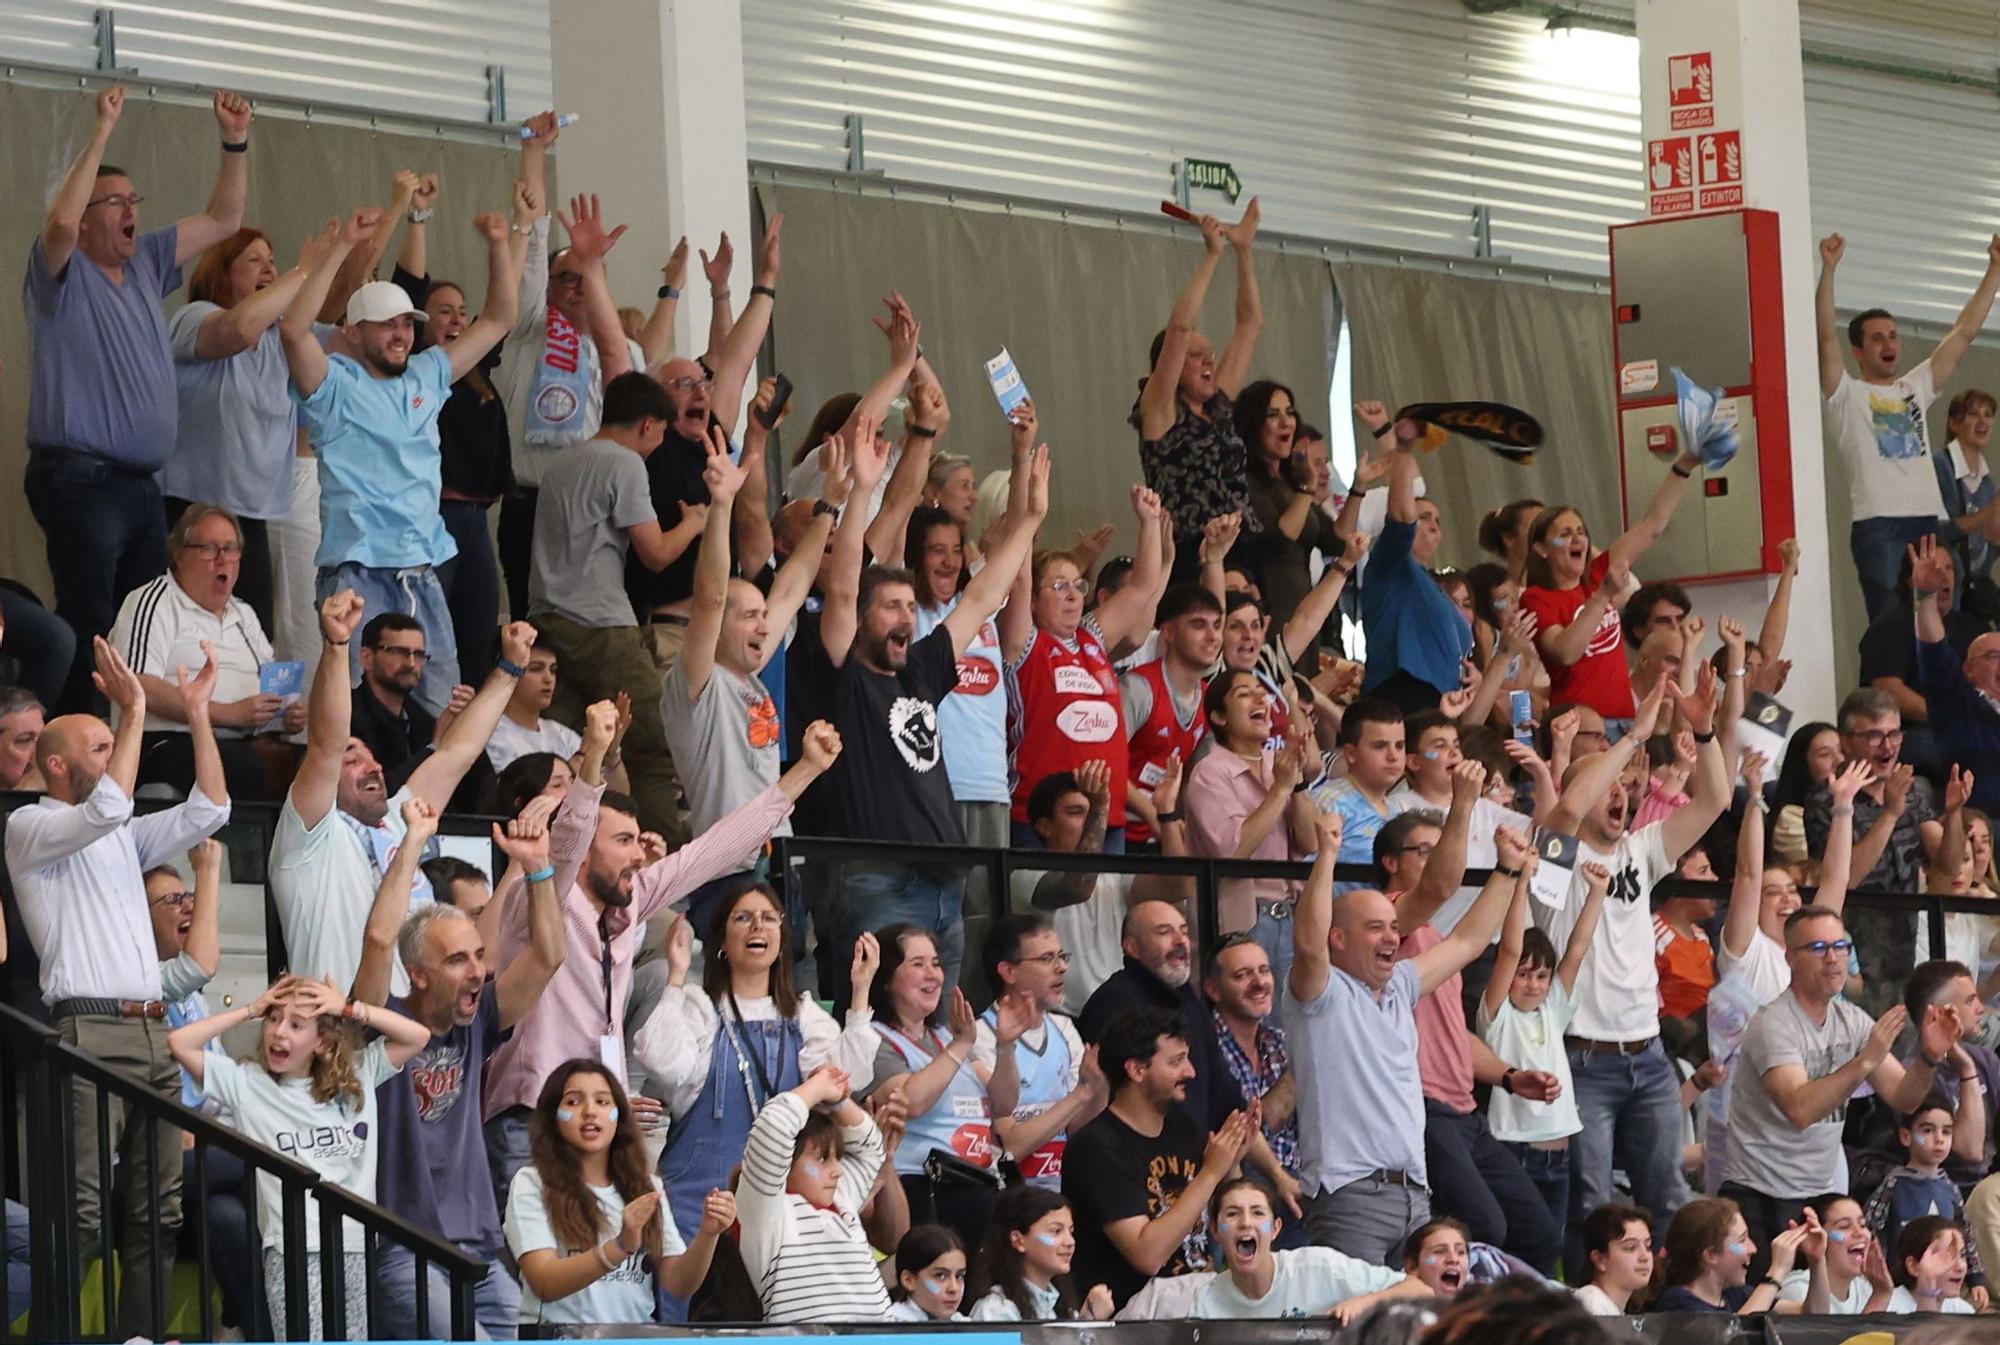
x: 425, y: 58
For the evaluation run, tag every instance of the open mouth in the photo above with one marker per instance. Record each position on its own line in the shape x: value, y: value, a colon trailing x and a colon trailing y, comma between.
x: 184, y: 926
x: 1451, y: 1279
x: 1244, y: 1248
x: 899, y: 644
x: 757, y: 943
x: 590, y: 1131
x: 277, y: 1057
x: 468, y: 1000
x: 129, y: 232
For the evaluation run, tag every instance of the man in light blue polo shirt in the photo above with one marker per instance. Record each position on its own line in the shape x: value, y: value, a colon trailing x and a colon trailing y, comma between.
x: 372, y: 417
x: 101, y: 393
x: 1350, y: 1023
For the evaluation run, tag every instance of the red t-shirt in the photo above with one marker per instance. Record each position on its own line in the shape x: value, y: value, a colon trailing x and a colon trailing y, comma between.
x: 1444, y: 1050
x: 1600, y: 679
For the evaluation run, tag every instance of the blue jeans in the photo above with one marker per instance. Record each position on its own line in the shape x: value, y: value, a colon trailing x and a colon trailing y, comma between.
x: 413, y: 592
x: 496, y: 1300
x: 1630, y: 1106
x: 873, y: 896
x: 1274, y: 935
x: 40, y: 648
x: 1878, y: 546
x: 106, y: 534
x: 1548, y: 1169
x: 471, y: 582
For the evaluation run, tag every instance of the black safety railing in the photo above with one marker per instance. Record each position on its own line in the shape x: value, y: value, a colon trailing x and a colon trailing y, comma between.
x: 41, y: 1080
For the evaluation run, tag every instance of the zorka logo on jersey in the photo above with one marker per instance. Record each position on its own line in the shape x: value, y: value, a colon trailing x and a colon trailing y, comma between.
x: 977, y: 677
x: 1087, y: 721
x: 913, y: 727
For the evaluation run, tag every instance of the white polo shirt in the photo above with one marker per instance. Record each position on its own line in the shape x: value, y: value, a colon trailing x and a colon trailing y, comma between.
x: 160, y: 627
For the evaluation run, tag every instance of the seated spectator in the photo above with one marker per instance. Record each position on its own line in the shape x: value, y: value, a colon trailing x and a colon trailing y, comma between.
x: 1140, y: 1176
x: 457, y: 883
x: 1246, y: 801
x: 1948, y: 983
x: 21, y: 721
x: 522, y: 729
x: 1805, y: 1054
x: 1257, y: 1280
x: 806, y: 1173
x: 387, y: 717
x: 1024, y: 1264
x: 589, y: 1194
x: 1929, y: 1268
x: 173, y: 622
x: 930, y: 1276
x: 1061, y: 1087
x: 1920, y: 1187
x: 1958, y: 692
x: 1618, y: 1239
x: 1371, y: 741
x: 1845, y: 1273
x: 1242, y: 991
x: 1162, y: 703
x: 1438, y: 1255
x: 36, y: 646
x: 1708, y: 1254
x: 1889, y: 662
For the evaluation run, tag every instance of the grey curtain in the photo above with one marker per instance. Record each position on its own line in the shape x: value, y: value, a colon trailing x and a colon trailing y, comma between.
x: 1076, y: 305
x: 300, y: 174
x: 1432, y: 336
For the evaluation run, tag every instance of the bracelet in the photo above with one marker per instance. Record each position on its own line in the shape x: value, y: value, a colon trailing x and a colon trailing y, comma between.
x: 1177, y: 815
x: 669, y: 292
x: 1342, y: 568
x: 508, y: 666
x: 823, y: 507
x: 1684, y: 473
x: 543, y: 874
x: 420, y: 216
x: 766, y: 291
x: 606, y: 1261
x: 1707, y: 737
x: 334, y: 644
x: 1384, y: 428
x: 1507, y: 1081
x: 717, y: 296
x: 1843, y: 810
x: 356, y: 1011
x: 240, y: 147
x: 1968, y: 1078
x: 1740, y: 672
x: 920, y: 431
x: 1503, y: 869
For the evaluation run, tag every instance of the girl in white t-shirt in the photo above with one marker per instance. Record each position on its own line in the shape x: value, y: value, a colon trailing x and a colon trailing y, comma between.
x: 1308, y: 1282
x: 929, y: 1267
x: 1618, y: 1243
x: 1929, y: 1268
x: 314, y: 1098
x: 1024, y: 1264
x: 586, y: 1220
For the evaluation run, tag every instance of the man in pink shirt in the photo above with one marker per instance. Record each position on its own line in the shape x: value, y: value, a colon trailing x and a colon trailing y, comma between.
x: 1420, y: 858
x: 627, y: 879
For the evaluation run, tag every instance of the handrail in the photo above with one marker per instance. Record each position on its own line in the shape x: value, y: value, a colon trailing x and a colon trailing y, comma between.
x: 54, y: 1067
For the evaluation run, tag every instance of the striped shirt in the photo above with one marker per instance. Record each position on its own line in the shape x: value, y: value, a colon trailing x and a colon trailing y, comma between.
x: 809, y: 1264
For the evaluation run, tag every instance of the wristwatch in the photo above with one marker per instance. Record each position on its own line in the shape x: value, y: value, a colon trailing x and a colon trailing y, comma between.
x: 420, y: 216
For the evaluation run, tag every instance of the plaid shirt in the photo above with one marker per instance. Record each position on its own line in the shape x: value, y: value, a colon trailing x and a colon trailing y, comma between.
x: 1260, y: 1076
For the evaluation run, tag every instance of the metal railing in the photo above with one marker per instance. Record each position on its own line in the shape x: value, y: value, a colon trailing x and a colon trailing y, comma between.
x: 39, y: 1078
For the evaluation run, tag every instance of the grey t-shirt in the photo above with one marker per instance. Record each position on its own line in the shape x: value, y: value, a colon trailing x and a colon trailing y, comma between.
x: 592, y: 493
x: 100, y: 375
x: 724, y: 741
x: 1767, y: 1153
x: 239, y: 427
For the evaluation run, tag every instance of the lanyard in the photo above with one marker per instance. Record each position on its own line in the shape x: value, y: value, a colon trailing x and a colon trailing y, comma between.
x: 604, y: 942
x: 739, y: 1036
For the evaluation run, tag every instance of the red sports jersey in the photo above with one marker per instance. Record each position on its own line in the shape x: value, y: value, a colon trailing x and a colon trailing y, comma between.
x: 1160, y: 739
x: 1070, y: 714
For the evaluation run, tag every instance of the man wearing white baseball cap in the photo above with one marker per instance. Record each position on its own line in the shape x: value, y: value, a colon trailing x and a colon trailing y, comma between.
x: 372, y: 417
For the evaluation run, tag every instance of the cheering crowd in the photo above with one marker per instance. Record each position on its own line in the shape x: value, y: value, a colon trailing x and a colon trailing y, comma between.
x: 643, y: 1076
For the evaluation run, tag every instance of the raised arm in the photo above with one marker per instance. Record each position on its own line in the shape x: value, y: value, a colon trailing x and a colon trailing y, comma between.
x: 358, y: 267
x: 867, y: 459
x: 196, y: 234
x: 204, y: 936
x: 1312, y: 917
x: 738, y: 353
x: 1517, y: 637
x: 1944, y: 360
x: 1746, y: 890
x: 750, y: 520
x: 1869, y: 848
x: 329, y: 710
x: 794, y: 580
x: 1599, y: 774
x: 465, y: 741
x: 1233, y: 369
x: 1470, y: 936
x: 717, y: 269
x: 1446, y: 870
x: 320, y: 258
x: 65, y: 218
x: 1507, y: 953
x: 1836, y: 867
x: 711, y: 572
x: 525, y: 842
x: 1636, y: 540
x: 903, y: 330
x: 1710, y: 795
x: 590, y: 241
x: 656, y: 340
x: 1596, y: 882
x: 1157, y: 400
x: 196, y: 692
x: 414, y: 257
x: 1778, y: 616
x: 983, y: 595
x: 1826, y: 323
x: 1127, y: 615
x: 503, y: 279
x: 189, y: 1044
x: 1951, y: 843
x: 230, y: 331
x: 928, y: 416
x: 392, y: 905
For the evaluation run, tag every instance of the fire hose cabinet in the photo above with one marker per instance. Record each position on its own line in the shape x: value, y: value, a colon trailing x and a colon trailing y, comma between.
x: 1704, y: 294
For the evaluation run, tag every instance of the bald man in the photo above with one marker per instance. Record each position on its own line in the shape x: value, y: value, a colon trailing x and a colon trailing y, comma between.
x: 1350, y: 1024
x: 1963, y: 697
x: 77, y: 858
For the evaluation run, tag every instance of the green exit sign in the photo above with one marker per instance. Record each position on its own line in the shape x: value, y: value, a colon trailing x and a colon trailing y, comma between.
x: 1213, y: 175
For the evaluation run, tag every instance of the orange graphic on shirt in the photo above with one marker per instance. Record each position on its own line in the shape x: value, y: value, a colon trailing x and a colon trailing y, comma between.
x: 764, y: 726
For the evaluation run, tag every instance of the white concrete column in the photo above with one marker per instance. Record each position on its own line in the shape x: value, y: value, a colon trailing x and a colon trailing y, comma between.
x: 1758, y: 90
x: 659, y: 87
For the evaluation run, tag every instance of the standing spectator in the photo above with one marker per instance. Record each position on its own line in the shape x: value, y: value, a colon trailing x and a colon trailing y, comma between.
x: 372, y: 417
x: 1945, y: 982
x: 1140, y: 1176
x: 101, y: 400
x: 76, y: 858
x: 1434, y: 755
x: 341, y: 825
x: 884, y: 687
x: 1372, y: 743
x: 1959, y: 694
x: 1416, y: 635
x: 1967, y: 486
x: 1351, y: 1026
x: 1889, y: 660
x: 238, y: 428
x: 168, y: 623
x: 37, y: 654
x: 1805, y: 1054
x: 1877, y: 420
x: 1243, y: 994
x: 1061, y: 1088
x: 1290, y: 525
x: 1162, y: 701
x: 429, y: 1118
x: 1194, y: 459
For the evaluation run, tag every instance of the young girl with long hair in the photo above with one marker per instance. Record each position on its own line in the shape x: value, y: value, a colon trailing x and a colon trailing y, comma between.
x: 930, y: 1276
x: 1709, y: 1250
x: 309, y: 1092
x: 586, y: 1218
x: 1618, y: 1244
x: 1023, y: 1269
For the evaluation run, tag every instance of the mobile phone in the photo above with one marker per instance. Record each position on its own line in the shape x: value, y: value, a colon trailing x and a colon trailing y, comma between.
x: 1522, y: 705
x: 781, y: 393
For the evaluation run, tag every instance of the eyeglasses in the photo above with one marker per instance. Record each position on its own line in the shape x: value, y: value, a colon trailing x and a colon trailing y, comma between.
x: 215, y: 550
x: 1879, y: 737
x: 1422, y: 849
x: 180, y: 898
x: 117, y: 202
x: 1059, y: 958
x: 747, y: 919
x: 1059, y: 586
x: 688, y: 383
x: 1821, y: 947
x: 413, y: 655
x: 565, y: 277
